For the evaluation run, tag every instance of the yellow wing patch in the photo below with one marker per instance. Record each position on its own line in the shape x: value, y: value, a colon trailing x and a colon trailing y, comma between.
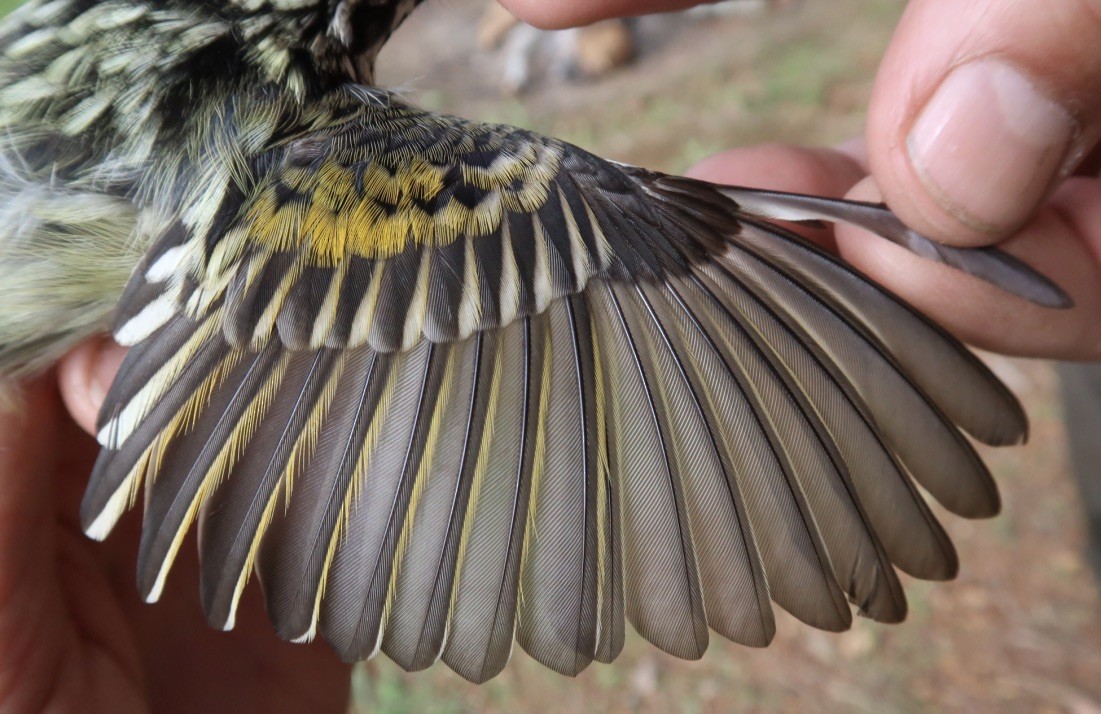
x: 370, y: 209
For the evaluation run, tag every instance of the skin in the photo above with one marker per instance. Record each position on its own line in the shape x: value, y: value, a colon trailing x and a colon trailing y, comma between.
x: 73, y: 634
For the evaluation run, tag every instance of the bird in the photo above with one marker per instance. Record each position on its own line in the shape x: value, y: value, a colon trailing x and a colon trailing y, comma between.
x: 445, y: 386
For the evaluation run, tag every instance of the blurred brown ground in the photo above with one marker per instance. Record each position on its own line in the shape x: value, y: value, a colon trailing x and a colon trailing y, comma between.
x: 1020, y: 630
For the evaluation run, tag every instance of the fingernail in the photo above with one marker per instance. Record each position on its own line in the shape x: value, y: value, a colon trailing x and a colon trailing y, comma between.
x: 988, y: 145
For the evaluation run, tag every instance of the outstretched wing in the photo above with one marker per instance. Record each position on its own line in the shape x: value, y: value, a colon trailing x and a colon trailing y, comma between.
x: 443, y: 385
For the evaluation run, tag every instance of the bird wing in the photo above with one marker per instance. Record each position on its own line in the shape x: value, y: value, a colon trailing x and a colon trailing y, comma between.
x: 444, y: 385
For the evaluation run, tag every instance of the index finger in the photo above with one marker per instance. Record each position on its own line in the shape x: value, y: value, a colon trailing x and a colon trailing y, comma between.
x: 572, y: 13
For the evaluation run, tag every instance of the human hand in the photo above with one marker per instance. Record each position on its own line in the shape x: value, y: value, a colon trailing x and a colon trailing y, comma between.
x: 981, y: 113
x: 73, y: 634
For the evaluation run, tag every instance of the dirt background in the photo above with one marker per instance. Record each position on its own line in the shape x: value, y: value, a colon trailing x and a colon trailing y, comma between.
x: 1020, y: 630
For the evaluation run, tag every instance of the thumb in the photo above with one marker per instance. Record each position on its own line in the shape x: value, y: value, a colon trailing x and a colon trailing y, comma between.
x: 981, y: 109
x: 84, y: 376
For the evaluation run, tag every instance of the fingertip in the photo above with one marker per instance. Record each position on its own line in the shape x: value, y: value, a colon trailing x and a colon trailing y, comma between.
x: 554, y: 16
x: 560, y: 15
x: 1056, y: 243
x: 857, y: 150
x: 778, y: 167
x: 84, y: 376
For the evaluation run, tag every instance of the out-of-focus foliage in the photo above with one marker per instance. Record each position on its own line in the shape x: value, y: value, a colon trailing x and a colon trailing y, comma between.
x: 7, y: 6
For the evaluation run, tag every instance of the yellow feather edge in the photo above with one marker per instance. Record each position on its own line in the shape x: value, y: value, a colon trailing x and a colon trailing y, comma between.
x: 227, y: 458
x: 604, y: 473
x: 300, y: 455
x: 121, y: 426
x: 418, y: 305
x: 420, y: 482
x: 352, y: 495
x: 478, y: 480
x: 265, y: 326
x: 326, y: 317
x: 539, y: 459
x: 384, y: 215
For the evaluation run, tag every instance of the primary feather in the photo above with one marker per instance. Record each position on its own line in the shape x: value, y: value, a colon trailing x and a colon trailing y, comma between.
x: 446, y: 385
